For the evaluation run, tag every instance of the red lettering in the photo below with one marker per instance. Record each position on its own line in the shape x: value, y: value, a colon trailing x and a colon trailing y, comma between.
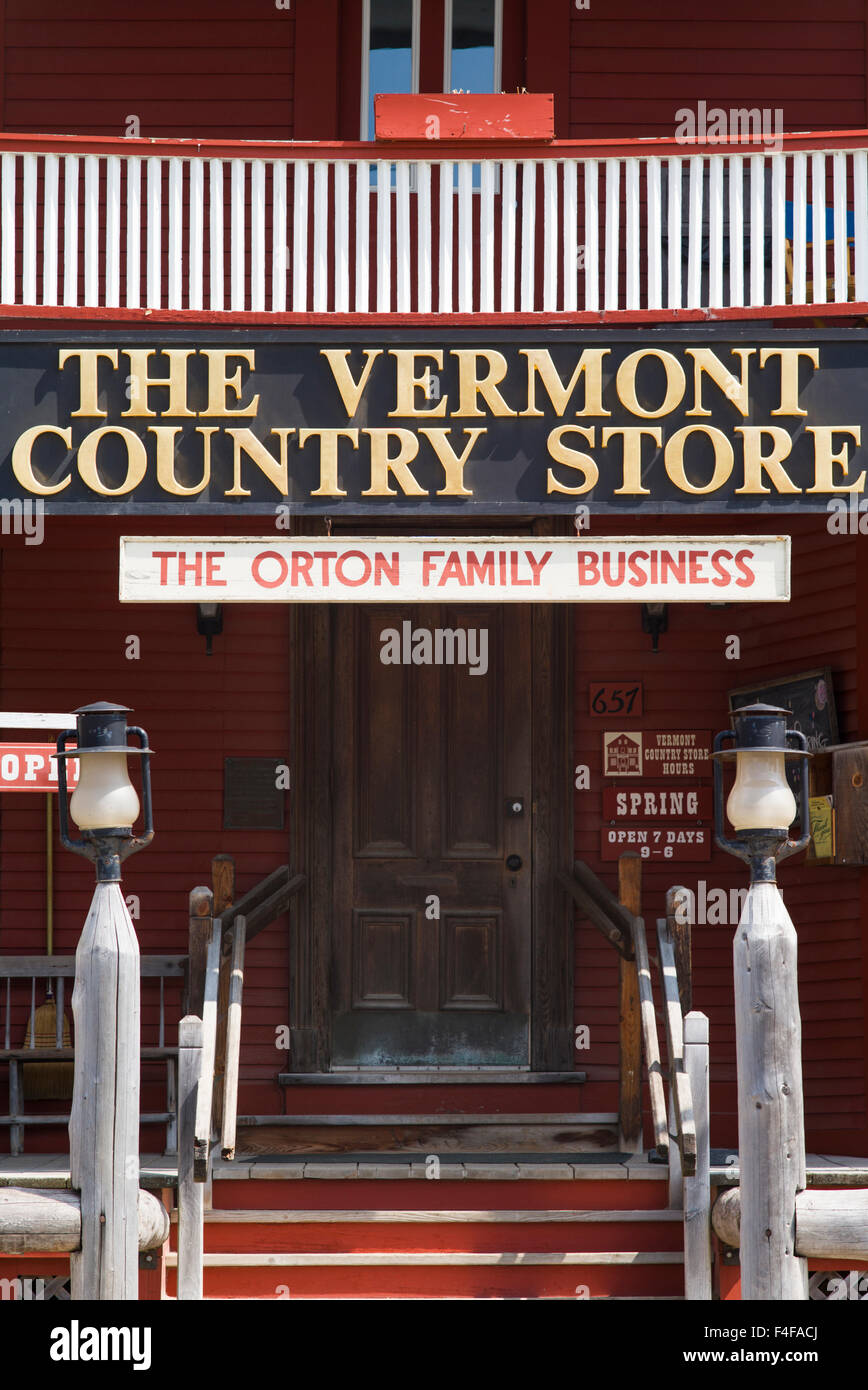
x: 537, y: 565
x: 164, y: 556
x: 259, y: 561
x: 452, y: 569
x: 481, y: 570
x: 638, y: 573
x: 696, y: 558
x: 670, y: 566
x: 382, y: 568
x: 212, y: 567
x: 428, y: 564
x: 301, y: 563
x: 340, y: 571
x: 749, y: 576
x: 589, y: 567
x: 513, y: 571
x: 721, y: 576
x: 324, y: 556
x: 186, y: 567
x: 608, y: 578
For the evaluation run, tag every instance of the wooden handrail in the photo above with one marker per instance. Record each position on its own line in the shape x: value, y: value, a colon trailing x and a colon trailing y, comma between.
x: 650, y: 1041
x: 679, y: 1082
x: 217, y: 944
x: 601, y: 907
x: 233, y: 1040
x: 265, y: 901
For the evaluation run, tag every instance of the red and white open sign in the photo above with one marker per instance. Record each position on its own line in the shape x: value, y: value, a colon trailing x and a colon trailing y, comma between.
x: 32, y: 767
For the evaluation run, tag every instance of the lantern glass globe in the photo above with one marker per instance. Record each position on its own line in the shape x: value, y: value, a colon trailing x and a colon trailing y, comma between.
x: 105, y: 797
x: 761, y: 797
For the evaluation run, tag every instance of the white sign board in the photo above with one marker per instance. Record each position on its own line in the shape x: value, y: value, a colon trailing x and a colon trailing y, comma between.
x: 521, y: 569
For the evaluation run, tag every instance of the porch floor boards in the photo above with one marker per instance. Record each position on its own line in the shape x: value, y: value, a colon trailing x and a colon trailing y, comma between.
x: 52, y: 1170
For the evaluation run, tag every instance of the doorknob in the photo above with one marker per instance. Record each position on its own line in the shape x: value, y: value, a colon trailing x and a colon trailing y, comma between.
x: 513, y: 862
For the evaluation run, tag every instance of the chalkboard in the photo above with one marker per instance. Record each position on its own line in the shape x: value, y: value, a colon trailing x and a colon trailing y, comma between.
x: 809, y: 696
x: 811, y: 699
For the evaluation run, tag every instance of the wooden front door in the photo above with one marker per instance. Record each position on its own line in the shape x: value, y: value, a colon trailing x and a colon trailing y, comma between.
x: 431, y: 856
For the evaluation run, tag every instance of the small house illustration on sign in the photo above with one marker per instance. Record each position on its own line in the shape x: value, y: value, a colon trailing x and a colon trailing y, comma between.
x: 623, y: 755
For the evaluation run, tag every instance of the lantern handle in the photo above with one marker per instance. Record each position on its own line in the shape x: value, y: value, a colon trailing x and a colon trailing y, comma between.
x: 796, y: 844
x: 141, y: 841
x: 77, y: 846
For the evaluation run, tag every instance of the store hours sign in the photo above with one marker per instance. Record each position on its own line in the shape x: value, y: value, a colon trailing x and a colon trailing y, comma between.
x: 436, y: 422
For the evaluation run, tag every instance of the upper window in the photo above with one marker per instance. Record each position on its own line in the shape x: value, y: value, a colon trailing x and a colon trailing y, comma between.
x: 390, y: 53
x: 471, y: 49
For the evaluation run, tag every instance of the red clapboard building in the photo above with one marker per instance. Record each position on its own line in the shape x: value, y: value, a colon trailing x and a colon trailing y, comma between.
x: 625, y: 300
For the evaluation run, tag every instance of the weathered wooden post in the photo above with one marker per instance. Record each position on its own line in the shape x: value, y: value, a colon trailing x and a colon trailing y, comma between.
x: 697, y: 1189
x: 191, y: 1193
x: 104, y: 1121
x: 771, y: 1134
x: 761, y: 807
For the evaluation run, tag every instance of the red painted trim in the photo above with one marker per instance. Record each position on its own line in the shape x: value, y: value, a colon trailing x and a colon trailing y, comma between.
x: 44, y: 315
x: 423, y: 149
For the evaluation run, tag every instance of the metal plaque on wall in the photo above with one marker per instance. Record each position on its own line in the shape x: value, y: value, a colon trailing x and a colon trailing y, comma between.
x: 252, y: 795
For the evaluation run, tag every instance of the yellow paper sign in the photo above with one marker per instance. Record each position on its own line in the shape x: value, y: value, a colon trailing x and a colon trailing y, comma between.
x: 822, y: 826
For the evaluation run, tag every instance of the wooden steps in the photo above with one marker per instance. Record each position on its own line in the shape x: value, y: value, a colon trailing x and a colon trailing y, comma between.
x: 479, y: 1231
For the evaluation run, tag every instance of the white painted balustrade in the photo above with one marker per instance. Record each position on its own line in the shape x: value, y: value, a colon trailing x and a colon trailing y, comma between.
x: 563, y: 231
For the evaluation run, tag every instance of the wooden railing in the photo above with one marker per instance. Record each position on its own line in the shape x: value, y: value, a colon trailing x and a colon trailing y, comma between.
x: 650, y: 226
x: 681, y: 1134
x: 210, y: 1037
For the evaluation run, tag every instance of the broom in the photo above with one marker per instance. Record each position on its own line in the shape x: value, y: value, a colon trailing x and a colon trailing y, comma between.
x: 47, y: 1080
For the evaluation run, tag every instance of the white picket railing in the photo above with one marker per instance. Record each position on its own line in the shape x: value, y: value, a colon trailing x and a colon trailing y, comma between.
x: 559, y: 232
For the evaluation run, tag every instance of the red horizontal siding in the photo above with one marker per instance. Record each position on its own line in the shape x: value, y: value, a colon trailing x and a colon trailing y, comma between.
x: 630, y: 73
x: 183, y: 69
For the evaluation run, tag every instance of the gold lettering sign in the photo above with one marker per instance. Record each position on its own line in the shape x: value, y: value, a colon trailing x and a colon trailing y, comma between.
x: 427, y: 422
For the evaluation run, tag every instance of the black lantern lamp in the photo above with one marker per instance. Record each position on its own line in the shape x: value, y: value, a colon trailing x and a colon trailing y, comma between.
x: 761, y: 806
x: 655, y: 619
x: 209, y: 622
x: 104, y: 804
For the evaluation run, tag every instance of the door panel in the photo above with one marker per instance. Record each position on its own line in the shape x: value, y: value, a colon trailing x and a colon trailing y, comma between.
x: 385, y: 754
x: 431, y: 930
